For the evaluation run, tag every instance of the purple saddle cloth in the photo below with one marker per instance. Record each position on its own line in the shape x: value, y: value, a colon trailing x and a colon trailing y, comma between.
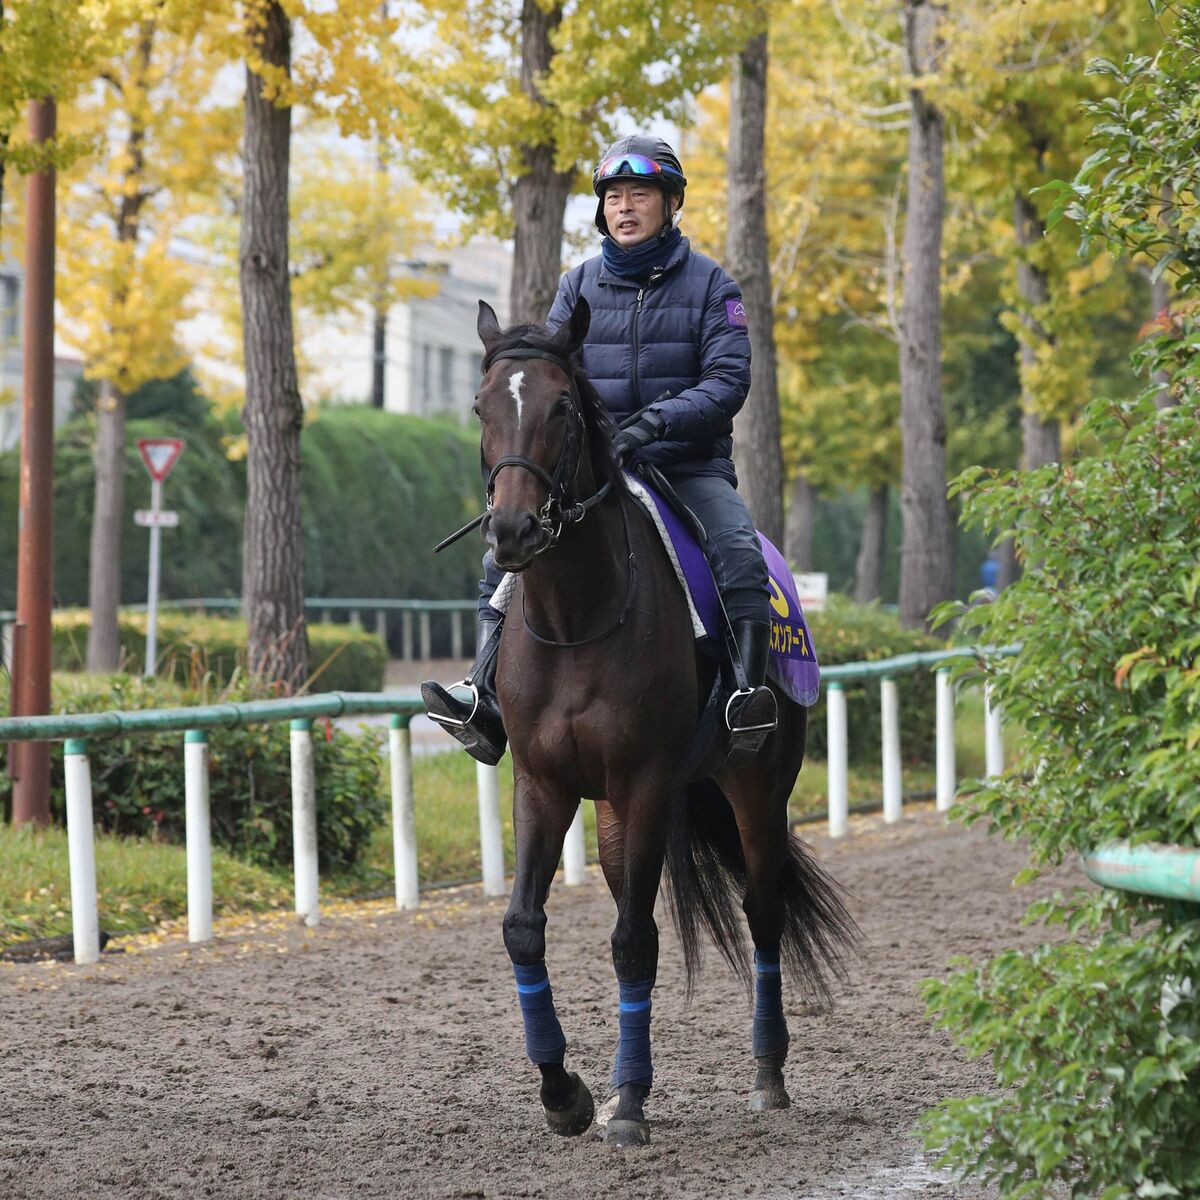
x: 793, y: 664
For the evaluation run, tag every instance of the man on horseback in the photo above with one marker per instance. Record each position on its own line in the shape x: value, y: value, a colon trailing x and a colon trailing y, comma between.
x: 669, y: 353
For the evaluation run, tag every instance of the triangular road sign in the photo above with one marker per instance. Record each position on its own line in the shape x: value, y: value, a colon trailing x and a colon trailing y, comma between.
x: 159, y: 455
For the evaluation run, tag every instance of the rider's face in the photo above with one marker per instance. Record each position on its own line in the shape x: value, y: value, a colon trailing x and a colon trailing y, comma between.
x: 635, y: 212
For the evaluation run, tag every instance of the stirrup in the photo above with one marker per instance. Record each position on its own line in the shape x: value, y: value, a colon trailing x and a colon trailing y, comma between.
x: 440, y: 719
x: 742, y: 694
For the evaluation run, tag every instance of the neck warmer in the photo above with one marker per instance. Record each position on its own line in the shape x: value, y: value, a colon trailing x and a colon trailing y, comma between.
x: 638, y: 261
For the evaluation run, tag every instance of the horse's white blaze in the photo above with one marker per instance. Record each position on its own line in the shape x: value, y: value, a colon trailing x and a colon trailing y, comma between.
x: 514, y: 385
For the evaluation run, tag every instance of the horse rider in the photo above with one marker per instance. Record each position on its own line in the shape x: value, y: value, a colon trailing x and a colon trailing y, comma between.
x: 669, y: 353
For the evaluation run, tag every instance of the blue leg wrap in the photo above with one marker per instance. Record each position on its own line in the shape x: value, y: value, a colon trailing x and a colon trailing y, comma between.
x: 544, y: 1041
x: 633, y: 1050
x: 769, y: 1031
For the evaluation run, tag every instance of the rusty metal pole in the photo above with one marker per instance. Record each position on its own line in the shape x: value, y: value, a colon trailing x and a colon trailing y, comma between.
x: 35, y: 564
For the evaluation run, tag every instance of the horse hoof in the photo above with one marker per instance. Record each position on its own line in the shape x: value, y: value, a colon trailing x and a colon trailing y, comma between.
x: 625, y: 1135
x: 770, y: 1099
x: 576, y: 1118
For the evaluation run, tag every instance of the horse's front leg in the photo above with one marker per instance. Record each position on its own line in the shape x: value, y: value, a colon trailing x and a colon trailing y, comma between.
x: 541, y: 819
x: 640, y: 838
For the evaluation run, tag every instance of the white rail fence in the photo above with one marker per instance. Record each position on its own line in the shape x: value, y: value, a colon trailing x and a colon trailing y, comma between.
x: 194, y: 724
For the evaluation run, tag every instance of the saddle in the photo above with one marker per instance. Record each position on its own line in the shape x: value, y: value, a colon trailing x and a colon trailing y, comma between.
x: 793, y: 665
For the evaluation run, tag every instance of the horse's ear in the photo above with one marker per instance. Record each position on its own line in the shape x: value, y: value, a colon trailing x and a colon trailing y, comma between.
x: 487, y: 326
x: 574, y: 329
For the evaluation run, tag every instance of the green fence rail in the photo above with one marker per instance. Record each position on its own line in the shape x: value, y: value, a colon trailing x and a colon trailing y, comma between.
x: 1170, y: 872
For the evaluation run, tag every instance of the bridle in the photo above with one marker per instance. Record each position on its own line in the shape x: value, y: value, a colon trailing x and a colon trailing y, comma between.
x: 555, y: 514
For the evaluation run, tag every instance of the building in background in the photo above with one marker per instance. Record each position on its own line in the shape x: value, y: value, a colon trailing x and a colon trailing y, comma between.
x: 433, y: 354
x: 67, y: 370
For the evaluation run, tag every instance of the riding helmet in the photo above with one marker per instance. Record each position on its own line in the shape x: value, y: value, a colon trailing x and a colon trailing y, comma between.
x: 621, y: 160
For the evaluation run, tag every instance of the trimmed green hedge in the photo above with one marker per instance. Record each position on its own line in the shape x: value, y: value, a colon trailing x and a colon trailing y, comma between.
x: 849, y: 632
x: 138, y: 782
x: 379, y: 491
x: 192, y: 647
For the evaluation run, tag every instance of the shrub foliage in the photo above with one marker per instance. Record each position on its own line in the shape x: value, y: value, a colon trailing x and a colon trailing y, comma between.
x: 1095, y: 1040
x: 193, y: 646
x: 849, y: 632
x: 138, y: 782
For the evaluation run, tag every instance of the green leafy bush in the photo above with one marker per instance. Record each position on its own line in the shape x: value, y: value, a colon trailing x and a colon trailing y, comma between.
x: 849, y: 632
x: 193, y: 646
x: 1096, y: 1040
x: 379, y: 490
x: 138, y: 782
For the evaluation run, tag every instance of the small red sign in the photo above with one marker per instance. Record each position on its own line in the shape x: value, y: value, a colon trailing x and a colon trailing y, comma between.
x: 159, y: 455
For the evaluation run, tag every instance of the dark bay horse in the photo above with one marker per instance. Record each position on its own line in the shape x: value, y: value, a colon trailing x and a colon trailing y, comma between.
x: 601, y: 687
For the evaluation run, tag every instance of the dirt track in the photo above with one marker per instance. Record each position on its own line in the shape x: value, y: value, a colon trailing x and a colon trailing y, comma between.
x: 381, y: 1056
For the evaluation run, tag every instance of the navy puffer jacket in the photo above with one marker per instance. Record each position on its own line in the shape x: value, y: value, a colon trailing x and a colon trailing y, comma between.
x: 684, y: 334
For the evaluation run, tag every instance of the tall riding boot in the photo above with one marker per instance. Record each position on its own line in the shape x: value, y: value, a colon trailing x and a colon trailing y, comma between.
x: 751, y: 715
x: 476, y: 722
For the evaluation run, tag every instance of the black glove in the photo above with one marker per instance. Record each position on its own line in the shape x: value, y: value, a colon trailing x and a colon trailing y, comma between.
x: 638, y: 432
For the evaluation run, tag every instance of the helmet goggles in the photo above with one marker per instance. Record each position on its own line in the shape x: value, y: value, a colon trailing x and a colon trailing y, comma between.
x: 618, y: 165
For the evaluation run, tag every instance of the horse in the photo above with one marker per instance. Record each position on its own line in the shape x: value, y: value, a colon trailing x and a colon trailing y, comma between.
x: 601, y: 687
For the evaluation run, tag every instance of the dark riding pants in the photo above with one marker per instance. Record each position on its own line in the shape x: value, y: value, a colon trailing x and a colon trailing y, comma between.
x: 738, y: 565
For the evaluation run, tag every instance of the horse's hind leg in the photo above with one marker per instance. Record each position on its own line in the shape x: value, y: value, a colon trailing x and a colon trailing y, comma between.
x: 541, y: 821
x: 760, y: 807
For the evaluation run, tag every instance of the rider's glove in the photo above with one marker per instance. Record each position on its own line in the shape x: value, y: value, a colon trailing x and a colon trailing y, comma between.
x: 638, y: 432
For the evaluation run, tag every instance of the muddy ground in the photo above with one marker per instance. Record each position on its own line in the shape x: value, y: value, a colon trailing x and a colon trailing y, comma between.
x: 381, y: 1056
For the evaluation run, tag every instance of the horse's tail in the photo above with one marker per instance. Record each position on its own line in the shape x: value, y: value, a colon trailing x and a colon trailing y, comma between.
x: 708, y: 880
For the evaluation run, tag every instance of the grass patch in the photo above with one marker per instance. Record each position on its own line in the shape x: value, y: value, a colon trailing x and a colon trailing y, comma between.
x: 140, y: 883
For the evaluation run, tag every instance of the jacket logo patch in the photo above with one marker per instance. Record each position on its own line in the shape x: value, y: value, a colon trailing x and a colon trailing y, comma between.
x: 735, y: 312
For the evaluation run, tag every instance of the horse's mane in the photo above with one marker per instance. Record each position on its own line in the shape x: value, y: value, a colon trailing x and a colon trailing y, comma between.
x: 597, y: 420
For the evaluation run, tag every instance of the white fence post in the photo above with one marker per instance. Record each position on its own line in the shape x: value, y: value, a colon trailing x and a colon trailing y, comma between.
x: 946, y: 766
x: 838, y: 759
x: 81, y: 852
x: 574, y: 851
x: 381, y: 624
x: 404, y: 831
x: 889, y: 709
x: 456, y: 633
x: 426, y: 635
x: 993, y: 739
x: 198, y: 835
x: 491, y: 840
x: 304, y: 823
x: 406, y: 635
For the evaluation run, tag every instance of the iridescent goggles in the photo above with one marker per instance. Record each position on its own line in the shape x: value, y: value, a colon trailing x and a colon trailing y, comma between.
x: 617, y: 165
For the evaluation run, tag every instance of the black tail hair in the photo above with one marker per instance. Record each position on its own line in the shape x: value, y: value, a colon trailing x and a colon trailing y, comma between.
x: 707, y: 883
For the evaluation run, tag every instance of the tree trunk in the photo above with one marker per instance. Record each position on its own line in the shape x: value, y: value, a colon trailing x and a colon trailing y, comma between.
x: 379, y: 356
x: 868, y: 569
x: 757, y: 448
x: 108, y: 518
x: 108, y: 504
x: 273, y: 548
x: 539, y: 195
x: 925, y: 543
x: 1008, y: 570
x: 1160, y: 303
x: 1041, y: 437
x: 798, y: 527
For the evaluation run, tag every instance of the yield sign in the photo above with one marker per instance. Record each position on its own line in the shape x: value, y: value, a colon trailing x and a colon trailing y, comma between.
x: 159, y: 455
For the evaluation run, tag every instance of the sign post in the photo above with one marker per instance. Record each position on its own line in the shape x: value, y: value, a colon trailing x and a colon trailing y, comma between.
x: 159, y: 455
